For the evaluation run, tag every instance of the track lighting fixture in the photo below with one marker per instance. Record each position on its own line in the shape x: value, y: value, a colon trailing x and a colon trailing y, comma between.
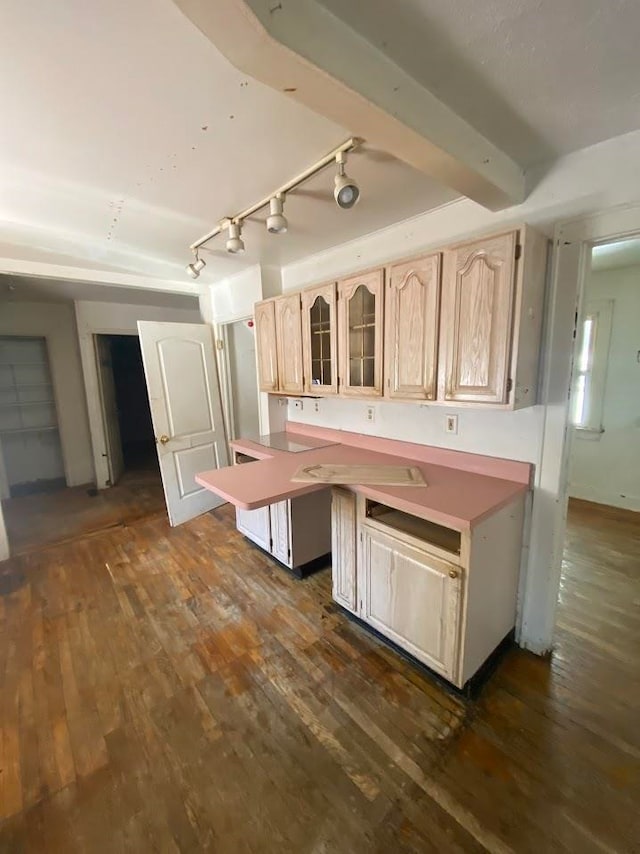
x: 346, y: 192
x: 235, y: 243
x: 194, y: 269
x: 277, y: 221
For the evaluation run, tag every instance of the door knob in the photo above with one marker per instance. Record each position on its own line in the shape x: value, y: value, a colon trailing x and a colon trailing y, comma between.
x: 163, y: 439
x: 453, y: 573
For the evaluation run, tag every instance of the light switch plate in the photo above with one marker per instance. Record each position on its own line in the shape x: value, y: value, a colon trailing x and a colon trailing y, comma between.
x: 451, y: 424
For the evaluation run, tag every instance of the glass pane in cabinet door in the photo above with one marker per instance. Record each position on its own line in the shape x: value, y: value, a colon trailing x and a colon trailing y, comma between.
x: 326, y: 372
x: 355, y: 372
x: 362, y: 327
x: 320, y: 322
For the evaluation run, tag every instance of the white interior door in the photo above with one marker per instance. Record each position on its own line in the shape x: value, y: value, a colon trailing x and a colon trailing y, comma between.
x: 184, y: 395
x: 107, y: 386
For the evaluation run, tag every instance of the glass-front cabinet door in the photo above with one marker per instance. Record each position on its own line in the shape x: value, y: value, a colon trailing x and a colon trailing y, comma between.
x: 319, y: 340
x: 360, y: 324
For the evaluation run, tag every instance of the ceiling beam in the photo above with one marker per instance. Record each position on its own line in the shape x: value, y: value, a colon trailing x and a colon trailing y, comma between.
x: 303, y: 50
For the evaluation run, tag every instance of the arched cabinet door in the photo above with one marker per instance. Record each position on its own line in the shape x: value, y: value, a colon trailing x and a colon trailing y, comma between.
x: 289, y: 344
x: 265, y: 319
x: 360, y: 319
x: 478, y: 285
x: 411, y: 306
x: 319, y: 340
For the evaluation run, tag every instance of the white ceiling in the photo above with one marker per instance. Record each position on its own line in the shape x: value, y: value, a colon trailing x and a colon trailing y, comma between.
x: 126, y: 135
x: 621, y: 253
x: 538, y: 78
x: 34, y: 289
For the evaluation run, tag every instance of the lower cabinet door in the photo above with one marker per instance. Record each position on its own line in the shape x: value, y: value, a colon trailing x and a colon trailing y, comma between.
x: 256, y: 525
x: 412, y: 598
x: 343, y: 548
x: 280, y: 531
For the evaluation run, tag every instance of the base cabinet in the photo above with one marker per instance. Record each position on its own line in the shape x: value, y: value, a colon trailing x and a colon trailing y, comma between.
x: 413, y: 598
x: 446, y: 597
x: 294, y: 532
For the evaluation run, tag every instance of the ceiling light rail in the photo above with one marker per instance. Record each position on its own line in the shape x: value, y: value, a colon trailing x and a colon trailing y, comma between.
x: 276, y: 221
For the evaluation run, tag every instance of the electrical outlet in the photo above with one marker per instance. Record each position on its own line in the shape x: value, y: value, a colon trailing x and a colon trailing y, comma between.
x: 282, y: 401
x: 316, y: 406
x: 371, y: 414
x: 451, y: 424
x: 297, y: 404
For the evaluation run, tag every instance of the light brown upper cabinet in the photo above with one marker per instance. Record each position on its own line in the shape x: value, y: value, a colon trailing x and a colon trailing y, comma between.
x: 360, y: 331
x: 289, y: 344
x: 265, y: 318
x: 319, y: 340
x: 411, y: 305
x: 492, y: 293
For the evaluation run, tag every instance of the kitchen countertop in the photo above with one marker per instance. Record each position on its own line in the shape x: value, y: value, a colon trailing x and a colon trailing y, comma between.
x: 454, y: 497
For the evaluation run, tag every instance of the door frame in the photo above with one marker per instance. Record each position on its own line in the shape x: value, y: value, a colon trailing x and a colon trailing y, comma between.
x: 572, y: 243
x: 224, y: 371
x: 89, y: 359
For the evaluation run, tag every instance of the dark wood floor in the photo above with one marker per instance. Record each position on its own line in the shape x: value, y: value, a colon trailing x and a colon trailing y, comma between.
x: 38, y: 520
x: 172, y: 690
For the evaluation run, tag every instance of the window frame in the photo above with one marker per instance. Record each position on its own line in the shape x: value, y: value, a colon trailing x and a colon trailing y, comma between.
x: 592, y: 365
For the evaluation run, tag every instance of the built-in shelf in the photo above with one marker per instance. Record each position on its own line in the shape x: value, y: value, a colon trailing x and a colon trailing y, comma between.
x: 14, y: 403
x: 422, y: 529
x: 15, y: 431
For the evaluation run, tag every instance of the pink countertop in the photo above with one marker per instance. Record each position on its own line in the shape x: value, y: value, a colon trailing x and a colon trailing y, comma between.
x: 455, y: 496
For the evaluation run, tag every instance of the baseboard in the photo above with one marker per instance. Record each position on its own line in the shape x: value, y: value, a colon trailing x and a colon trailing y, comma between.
x: 585, y: 493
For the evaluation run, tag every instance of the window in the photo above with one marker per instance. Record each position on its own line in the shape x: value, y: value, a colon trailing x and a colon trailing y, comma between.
x: 590, y: 369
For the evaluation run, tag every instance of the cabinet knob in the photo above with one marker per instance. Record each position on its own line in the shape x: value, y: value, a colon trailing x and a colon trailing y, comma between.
x: 453, y: 573
x: 163, y: 440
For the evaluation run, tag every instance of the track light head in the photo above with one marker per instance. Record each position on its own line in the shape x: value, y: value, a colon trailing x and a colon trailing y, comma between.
x: 346, y: 192
x: 194, y: 269
x: 235, y: 243
x: 277, y: 221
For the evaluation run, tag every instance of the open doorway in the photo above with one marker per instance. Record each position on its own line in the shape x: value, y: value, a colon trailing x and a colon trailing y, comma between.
x: 125, y: 407
x: 596, y: 619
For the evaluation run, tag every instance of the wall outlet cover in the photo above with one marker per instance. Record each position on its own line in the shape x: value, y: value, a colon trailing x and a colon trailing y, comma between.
x: 370, y: 414
x: 451, y: 424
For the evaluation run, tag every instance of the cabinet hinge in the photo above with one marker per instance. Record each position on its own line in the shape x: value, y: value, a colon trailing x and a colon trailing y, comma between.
x: 360, y: 536
x: 518, y: 251
x: 509, y: 385
x: 271, y: 544
x: 219, y: 344
x: 288, y: 554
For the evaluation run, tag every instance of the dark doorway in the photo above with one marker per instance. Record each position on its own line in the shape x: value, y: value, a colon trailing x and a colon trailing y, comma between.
x: 134, y: 416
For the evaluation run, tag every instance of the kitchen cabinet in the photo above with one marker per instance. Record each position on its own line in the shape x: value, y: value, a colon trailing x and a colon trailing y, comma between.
x: 360, y: 331
x: 413, y: 598
x: 491, y: 319
x: 295, y: 532
x: 289, y: 344
x: 446, y: 597
x: 343, y: 548
x: 319, y: 340
x: 265, y: 320
x: 411, y: 307
x: 256, y: 525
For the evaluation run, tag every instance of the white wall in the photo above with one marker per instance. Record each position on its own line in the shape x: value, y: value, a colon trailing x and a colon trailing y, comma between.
x: 56, y: 323
x: 4, y: 540
x: 605, y: 467
x: 94, y: 318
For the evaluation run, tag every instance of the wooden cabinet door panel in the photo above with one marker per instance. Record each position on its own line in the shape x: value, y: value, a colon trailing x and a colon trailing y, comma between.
x: 360, y: 331
x: 413, y: 599
x: 289, y: 344
x: 476, y: 321
x: 265, y: 318
x: 319, y: 340
x: 256, y: 525
x: 280, y: 530
x: 343, y: 548
x: 412, y: 296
